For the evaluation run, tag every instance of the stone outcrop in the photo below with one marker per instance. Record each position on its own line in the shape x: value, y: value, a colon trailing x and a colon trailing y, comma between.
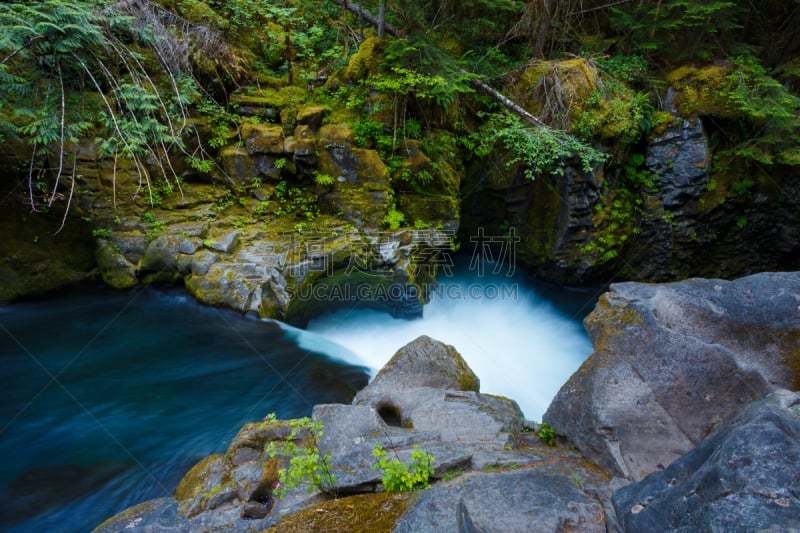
x: 511, y: 478
x: 671, y: 361
x: 663, y: 214
x: 743, y: 477
x: 278, y: 246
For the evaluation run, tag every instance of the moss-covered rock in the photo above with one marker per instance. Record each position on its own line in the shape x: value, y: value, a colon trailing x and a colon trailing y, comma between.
x: 312, y: 116
x: 703, y: 90
x: 365, y: 61
x: 116, y: 270
x: 263, y: 139
x: 240, y: 168
x: 34, y: 259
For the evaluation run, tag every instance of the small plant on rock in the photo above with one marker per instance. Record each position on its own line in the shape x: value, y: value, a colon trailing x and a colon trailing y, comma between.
x: 306, y: 464
x: 401, y: 477
x: 547, y: 434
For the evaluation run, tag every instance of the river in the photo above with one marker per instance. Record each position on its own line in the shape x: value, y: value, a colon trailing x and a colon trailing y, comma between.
x: 109, y: 397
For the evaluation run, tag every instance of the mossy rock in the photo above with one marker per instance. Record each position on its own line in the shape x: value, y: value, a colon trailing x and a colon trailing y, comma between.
x: 703, y: 90
x: 202, y: 477
x: 365, y: 61
x: 263, y: 139
x: 312, y: 116
x: 569, y: 82
x: 269, y: 102
x: 240, y: 167
x: 342, y: 289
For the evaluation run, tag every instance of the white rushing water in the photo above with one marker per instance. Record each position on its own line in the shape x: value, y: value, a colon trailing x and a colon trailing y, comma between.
x: 519, y: 344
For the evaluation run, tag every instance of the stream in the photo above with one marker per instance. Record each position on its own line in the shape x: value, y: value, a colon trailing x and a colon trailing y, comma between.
x: 109, y: 397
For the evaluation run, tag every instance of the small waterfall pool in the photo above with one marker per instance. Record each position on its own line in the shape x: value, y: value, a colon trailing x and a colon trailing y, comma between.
x: 109, y: 397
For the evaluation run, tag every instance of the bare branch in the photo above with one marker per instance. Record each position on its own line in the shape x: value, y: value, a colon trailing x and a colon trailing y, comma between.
x: 60, y: 136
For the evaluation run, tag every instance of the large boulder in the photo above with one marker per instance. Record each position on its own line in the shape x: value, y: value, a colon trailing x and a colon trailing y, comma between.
x: 744, y: 477
x: 424, y: 362
x: 671, y: 361
x: 516, y: 501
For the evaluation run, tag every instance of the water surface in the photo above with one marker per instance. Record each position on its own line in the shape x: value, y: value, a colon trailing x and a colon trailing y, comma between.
x: 107, y: 397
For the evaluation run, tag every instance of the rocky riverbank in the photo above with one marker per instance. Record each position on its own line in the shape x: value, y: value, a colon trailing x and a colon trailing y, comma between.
x: 686, y: 404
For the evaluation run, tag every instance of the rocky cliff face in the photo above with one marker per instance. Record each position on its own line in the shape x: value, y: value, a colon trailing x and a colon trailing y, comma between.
x: 665, y: 212
x: 744, y: 477
x: 290, y: 224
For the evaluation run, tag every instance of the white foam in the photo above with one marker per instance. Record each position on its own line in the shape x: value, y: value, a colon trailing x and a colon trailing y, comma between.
x: 519, y: 345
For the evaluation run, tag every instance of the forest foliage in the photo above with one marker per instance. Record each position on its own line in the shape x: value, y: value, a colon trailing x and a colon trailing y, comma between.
x: 129, y: 74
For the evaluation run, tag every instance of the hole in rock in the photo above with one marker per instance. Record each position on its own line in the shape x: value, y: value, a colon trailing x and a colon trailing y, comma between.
x: 391, y: 415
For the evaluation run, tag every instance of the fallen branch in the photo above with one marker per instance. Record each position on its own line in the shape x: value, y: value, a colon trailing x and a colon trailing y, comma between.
x: 369, y: 17
x: 509, y: 104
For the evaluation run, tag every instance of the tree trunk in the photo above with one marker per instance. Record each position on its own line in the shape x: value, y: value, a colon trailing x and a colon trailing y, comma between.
x: 382, y: 21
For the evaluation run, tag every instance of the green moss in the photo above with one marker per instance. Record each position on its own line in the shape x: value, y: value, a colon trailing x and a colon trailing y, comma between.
x: 270, y: 97
x: 659, y: 122
x: 562, y: 84
x: 364, y: 513
x: 197, y: 481
x: 702, y: 90
x: 365, y: 61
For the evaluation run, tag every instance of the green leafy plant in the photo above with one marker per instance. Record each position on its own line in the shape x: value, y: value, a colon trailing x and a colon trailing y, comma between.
x: 394, y: 218
x: 401, y: 477
x: 541, y: 150
x: 547, y: 434
x: 307, y: 466
x: 101, y: 233
x: 323, y: 179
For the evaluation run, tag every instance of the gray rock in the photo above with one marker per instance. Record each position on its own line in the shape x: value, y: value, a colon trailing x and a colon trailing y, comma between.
x: 161, y: 255
x: 423, y: 362
x: 679, y: 158
x: 202, y: 261
x: 225, y: 243
x: 519, y: 501
x: 190, y: 246
x: 744, y: 477
x: 455, y: 415
x: 671, y: 361
x: 153, y: 516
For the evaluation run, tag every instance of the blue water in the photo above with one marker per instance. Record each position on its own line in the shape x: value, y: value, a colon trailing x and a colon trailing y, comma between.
x: 107, y: 398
